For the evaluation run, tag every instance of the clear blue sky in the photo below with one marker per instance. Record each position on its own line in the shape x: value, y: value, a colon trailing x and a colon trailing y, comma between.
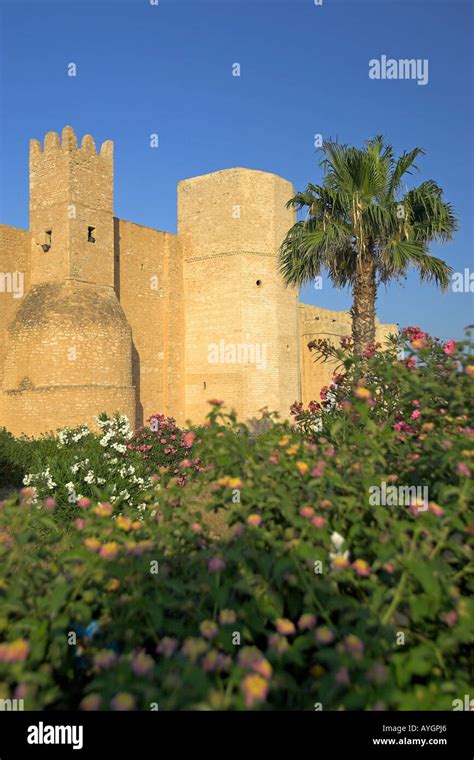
x: 166, y: 69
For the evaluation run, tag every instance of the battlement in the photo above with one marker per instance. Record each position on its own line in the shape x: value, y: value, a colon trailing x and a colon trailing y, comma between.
x: 67, y: 145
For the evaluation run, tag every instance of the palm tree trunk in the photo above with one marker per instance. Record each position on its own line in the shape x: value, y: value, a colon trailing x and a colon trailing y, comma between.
x: 363, y: 307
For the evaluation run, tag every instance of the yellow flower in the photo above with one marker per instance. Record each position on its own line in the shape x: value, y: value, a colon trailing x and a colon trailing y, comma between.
x: 255, y: 689
x: 104, y: 510
x: 302, y: 467
x: 284, y: 441
x: 109, y: 550
x: 124, y: 523
x: 229, y: 482
x: 93, y: 544
x: 362, y: 393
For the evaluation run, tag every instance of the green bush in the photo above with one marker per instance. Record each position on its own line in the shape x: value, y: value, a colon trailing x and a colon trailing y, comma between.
x: 307, y: 595
x: 13, y: 460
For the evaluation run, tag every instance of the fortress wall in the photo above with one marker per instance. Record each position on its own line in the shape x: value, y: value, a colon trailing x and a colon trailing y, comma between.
x: 43, y: 410
x: 149, y: 287
x: 15, y: 245
x: 317, y: 323
x: 231, y: 224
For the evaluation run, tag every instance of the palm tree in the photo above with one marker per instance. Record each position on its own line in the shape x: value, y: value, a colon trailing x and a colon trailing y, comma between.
x: 364, y: 228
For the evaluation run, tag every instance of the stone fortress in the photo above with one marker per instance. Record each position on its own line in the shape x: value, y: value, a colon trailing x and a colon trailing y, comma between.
x: 100, y: 314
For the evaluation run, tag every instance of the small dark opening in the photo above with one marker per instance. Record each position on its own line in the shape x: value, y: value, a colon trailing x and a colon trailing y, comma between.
x: 204, y: 385
x: 47, y: 240
x: 258, y: 283
x: 90, y: 235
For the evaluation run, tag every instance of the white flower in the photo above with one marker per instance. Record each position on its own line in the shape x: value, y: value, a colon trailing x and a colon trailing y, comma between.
x: 337, y: 540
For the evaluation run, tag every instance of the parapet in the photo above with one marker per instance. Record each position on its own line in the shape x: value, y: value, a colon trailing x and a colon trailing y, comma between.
x: 67, y: 144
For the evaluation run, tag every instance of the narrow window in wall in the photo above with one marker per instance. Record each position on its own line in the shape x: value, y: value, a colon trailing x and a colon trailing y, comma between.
x: 204, y: 385
x: 47, y: 240
x: 91, y: 234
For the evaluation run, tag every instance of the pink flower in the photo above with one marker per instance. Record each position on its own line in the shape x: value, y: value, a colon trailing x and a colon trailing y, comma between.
x: 196, y: 527
x: 91, y: 703
x: 80, y: 523
x: 318, y: 521
x: 104, y: 510
x: 306, y: 511
x: 215, y: 565
x: 324, y: 635
x: 109, y: 550
x: 318, y: 470
x: 278, y: 643
x: 15, y: 651
x: 83, y: 503
x: 306, y: 622
x: 49, y: 504
x: 142, y: 664
x: 362, y: 567
x: 188, y: 439
x: 285, y: 627
x: 254, y: 520
x: 415, y: 414
x: 353, y: 645
x: 105, y: 659
x: 450, y: 618
x: 209, y: 629
x: 93, y: 544
x: 463, y: 469
x: 255, y: 689
x: 227, y: 617
x: 449, y: 347
x: 167, y: 646
x: 215, y: 402
x: 435, y: 509
x: 251, y: 658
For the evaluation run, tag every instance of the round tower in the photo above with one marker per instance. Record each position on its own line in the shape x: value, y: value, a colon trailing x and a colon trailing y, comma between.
x: 241, y: 320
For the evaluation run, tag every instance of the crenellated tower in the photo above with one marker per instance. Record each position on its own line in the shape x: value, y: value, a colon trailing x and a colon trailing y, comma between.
x: 69, y: 347
x: 71, y: 210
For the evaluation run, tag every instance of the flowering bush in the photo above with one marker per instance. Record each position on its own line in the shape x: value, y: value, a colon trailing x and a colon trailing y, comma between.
x: 77, y: 464
x: 308, y: 596
x: 166, y: 448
